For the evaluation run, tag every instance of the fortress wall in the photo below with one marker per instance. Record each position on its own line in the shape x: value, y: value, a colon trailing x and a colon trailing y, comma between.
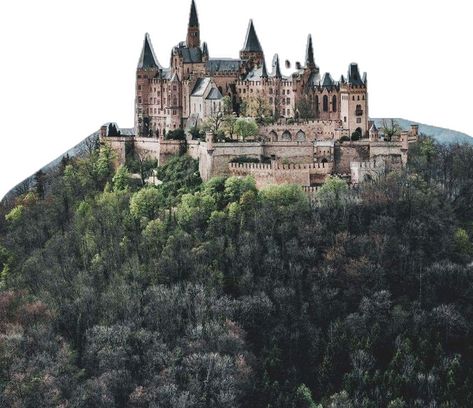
x: 350, y: 152
x: 394, y: 154
x: 168, y: 148
x: 117, y: 144
x: 302, y: 152
x: 147, y: 147
x: 314, y: 130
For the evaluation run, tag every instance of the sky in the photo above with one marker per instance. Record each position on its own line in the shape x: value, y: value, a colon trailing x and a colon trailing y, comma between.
x: 67, y: 67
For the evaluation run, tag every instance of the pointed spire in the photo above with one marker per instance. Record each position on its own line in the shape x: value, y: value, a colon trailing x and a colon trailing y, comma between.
x: 193, y: 19
x: 276, y: 67
x: 264, y: 71
x: 252, y: 43
x: 309, y: 54
x: 205, y: 49
x: 148, y: 58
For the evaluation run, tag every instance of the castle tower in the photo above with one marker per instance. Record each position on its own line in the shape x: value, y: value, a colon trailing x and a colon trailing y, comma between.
x: 147, y: 68
x: 276, y: 67
x: 252, y: 52
x: 193, y: 30
x: 309, y: 54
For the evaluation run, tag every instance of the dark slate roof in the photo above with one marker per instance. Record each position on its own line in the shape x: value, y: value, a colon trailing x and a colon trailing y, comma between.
x: 193, y: 18
x: 214, y: 94
x: 190, y: 55
x: 276, y: 67
x: 252, y: 43
x: 205, y: 49
x: 222, y: 65
x: 354, y: 77
x: 309, y: 54
x: 327, y: 81
x: 164, y: 73
x: 257, y: 74
x: 200, y: 87
x: 373, y: 128
x: 148, y: 58
x: 175, y: 78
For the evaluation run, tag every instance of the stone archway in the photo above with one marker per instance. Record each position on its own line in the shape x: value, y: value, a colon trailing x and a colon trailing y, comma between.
x: 286, y: 136
x: 273, y: 136
x: 300, y: 136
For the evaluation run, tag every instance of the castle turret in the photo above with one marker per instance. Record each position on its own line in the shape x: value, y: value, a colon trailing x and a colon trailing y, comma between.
x: 309, y: 54
x: 205, y: 52
x: 193, y: 29
x: 252, y: 52
x: 276, y: 67
x: 147, y: 68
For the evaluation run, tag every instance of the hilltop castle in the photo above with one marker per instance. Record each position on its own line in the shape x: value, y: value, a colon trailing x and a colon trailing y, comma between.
x: 195, y: 84
x: 313, y: 119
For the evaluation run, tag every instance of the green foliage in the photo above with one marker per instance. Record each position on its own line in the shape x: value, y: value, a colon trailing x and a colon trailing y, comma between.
x: 177, y: 134
x: 344, y: 139
x: 15, y: 214
x: 217, y: 294
x: 333, y: 193
x: 245, y: 127
x: 355, y: 136
x: 147, y: 203
x: 121, y: 179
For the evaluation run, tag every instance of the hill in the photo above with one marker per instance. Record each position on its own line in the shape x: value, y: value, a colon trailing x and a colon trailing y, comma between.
x: 442, y: 135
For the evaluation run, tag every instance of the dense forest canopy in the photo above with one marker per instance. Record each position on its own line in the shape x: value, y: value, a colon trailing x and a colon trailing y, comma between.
x: 215, y: 294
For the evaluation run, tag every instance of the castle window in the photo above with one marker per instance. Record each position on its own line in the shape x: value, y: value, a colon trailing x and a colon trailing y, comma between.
x: 353, y: 97
x: 334, y: 103
x: 271, y: 101
x: 358, y: 97
x: 270, y: 91
x: 358, y: 120
x: 288, y: 101
x: 316, y: 103
x: 139, y: 99
x: 325, y: 103
x: 363, y: 97
x: 139, y: 87
x: 345, y: 119
x: 288, y: 112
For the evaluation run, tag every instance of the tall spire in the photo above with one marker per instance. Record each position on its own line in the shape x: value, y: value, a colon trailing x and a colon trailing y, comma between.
x: 148, y: 58
x: 309, y: 54
x: 193, y: 19
x: 193, y: 30
x: 276, y: 67
x: 264, y: 71
x: 252, y: 43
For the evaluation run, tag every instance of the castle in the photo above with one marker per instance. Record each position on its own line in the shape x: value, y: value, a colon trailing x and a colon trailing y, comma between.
x: 317, y: 126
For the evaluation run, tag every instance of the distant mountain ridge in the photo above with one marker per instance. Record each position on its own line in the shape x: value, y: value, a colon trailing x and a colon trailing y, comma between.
x: 442, y: 135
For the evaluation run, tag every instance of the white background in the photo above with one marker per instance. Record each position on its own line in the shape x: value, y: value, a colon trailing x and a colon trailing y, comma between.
x: 66, y: 67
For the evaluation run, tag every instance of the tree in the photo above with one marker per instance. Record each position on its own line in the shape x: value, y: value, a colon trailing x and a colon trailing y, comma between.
x: 258, y: 108
x: 147, y: 203
x: 246, y: 128
x: 121, y: 179
x: 333, y: 192
x: 304, y: 108
x: 391, y: 129
x: 355, y: 136
x: 176, y: 134
x: 214, y: 124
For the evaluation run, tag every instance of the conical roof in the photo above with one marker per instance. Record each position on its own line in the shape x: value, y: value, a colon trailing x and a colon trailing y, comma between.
x: 193, y: 18
x: 276, y: 67
x: 309, y: 54
x: 252, y: 43
x: 148, y: 58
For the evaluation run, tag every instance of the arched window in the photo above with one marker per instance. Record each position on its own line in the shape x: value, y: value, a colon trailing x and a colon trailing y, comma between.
x: 273, y: 135
x: 317, y: 103
x: 334, y: 103
x: 286, y: 136
x: 300, y: 136
x: 325, y: 103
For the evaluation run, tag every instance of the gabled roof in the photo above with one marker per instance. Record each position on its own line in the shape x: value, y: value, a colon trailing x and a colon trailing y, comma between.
x: 252, y: 43
x: 148, y: 58
x: 205, y: 49
x: 193, y: 18
x: 373, y: 128
x: 258, y: 73
x: 189, y: 55
x: 200, y: 86
x: 214, y: 94
x: 175, y: 77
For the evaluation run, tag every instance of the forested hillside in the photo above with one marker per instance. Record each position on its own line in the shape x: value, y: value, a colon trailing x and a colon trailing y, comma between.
x: 215, y: 294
